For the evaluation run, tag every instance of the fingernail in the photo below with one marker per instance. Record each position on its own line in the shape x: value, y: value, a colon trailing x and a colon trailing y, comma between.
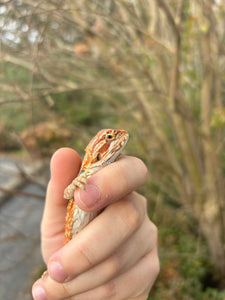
x: 39, y: 293
x: 57, y: 272
x: 89, y: 197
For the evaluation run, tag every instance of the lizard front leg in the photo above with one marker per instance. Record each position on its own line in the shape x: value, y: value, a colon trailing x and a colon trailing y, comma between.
x: 79, y: 181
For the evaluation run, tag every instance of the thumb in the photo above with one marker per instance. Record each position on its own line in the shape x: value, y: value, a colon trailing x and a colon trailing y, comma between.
x: 65, y: 165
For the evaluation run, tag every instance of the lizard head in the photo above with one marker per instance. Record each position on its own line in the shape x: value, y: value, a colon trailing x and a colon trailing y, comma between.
x: 104, y: 148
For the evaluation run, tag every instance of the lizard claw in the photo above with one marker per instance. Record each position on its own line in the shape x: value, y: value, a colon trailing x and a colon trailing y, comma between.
x: 44, y: 275
x: 77, y: 182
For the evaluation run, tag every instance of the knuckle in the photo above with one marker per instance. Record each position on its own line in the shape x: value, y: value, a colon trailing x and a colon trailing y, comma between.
x: 156, y: 268
x: 114, y: 264
x: 66, y: 293
x: 154, y: 230
x: 86, y: 254
x: 143, y: 200
x: 132, y: 216
x: 143, y: 168
x: 108, y: 290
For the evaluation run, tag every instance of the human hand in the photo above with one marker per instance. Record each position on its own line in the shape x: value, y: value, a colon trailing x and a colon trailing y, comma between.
x: 115, y: 256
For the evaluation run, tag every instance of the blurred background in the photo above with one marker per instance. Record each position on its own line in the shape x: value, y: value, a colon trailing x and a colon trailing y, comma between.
x: 153, y: 67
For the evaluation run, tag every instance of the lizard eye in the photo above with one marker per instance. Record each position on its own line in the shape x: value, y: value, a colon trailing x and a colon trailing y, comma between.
x: 109, y: 136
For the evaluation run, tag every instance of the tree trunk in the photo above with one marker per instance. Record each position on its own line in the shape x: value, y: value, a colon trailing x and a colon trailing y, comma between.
x: 214, y: 233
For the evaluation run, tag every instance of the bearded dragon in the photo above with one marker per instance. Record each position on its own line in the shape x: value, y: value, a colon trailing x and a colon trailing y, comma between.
x: 102, y: 150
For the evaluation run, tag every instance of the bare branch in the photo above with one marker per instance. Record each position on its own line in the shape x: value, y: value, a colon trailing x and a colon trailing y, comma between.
x: 22, y: 193
x: 170, y: 17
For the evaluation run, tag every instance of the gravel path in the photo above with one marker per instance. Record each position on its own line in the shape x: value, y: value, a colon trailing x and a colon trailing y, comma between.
x: 19, y: 237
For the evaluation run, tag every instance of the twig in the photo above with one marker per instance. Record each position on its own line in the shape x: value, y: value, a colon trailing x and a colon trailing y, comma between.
x: 19, y: 192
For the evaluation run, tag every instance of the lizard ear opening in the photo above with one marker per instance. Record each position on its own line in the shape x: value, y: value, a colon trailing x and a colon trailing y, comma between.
x: 99, y: 156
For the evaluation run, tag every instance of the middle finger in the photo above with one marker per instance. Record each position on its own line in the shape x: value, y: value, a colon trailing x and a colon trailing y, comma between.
x: 138, y: 245
x: 99, y: 239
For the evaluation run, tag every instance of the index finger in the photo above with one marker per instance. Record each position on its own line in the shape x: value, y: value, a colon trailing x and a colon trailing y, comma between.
x: 112, y: 183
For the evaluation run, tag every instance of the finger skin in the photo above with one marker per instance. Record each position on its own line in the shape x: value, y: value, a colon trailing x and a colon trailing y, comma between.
x: 134, y: 284
x: 65, y: 164
x: 113, y: 182
x: 119, y: 262
x: 100, y: 238
x: 139, y: 279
